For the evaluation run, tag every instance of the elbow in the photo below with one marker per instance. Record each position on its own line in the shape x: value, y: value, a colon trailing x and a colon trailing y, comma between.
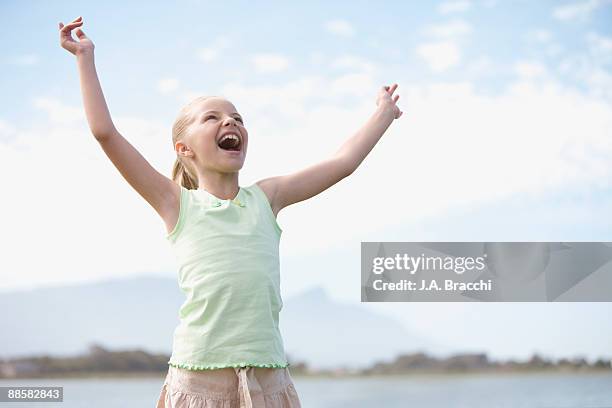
x: 102, y: 135
x: 349, y: 171
x: 348, y: 167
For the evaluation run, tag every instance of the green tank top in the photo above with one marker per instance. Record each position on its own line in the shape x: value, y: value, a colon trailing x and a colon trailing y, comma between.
x: 229, y: 270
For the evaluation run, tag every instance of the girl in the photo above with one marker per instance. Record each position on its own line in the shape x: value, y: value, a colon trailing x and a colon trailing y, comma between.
x: 227, y: 350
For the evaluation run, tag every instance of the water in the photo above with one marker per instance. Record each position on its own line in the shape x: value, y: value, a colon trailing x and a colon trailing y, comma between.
x: 558, y: 390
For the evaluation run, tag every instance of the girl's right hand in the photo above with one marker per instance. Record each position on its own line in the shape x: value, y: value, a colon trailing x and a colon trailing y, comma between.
x: 67, y: 42
x: 385, y: 96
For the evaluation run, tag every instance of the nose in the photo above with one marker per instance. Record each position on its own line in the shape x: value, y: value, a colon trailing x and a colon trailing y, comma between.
x: 229, y: 120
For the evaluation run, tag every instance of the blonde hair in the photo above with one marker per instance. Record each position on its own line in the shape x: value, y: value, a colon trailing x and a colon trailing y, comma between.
x: 182, y: 172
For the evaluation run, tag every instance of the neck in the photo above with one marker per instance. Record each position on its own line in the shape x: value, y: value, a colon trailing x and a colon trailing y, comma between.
x: 222, y: 185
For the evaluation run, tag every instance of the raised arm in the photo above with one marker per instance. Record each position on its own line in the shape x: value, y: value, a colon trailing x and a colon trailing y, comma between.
x: 158, y: 190
x: 292, y: 188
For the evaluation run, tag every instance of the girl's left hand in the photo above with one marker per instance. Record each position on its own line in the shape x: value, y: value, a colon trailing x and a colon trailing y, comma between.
x: 385, y: 96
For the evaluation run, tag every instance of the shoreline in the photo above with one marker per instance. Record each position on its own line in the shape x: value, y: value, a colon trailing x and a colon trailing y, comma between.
x: 340, y: 375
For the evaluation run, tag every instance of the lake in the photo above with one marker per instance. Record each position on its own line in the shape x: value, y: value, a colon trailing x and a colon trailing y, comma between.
x: 558, y: 390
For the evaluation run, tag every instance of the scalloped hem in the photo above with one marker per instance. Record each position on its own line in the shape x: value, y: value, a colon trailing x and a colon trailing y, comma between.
x: 189, y: 366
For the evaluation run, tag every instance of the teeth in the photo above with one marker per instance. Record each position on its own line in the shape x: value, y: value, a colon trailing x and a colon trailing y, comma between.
x: 229, y: 136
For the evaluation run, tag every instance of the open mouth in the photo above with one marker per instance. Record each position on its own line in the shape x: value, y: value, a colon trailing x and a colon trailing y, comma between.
x: 230, y: 142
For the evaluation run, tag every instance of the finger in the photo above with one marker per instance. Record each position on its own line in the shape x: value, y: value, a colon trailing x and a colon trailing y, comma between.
x: 74, y: 24
x: 395, y: 98
x: 67, y: 30
x: 70, y: 26
x: 78, y: 18
x: 393, y: 88
x: 81, y: 34
x: 61, y: 25
x: 400, y: 114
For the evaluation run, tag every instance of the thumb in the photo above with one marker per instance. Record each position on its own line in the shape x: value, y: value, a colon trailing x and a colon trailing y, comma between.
x: 80, y: 33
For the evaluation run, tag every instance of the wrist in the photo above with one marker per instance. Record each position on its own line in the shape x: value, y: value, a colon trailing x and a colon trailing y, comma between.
x: 386, y: 109
x: 85, y: 54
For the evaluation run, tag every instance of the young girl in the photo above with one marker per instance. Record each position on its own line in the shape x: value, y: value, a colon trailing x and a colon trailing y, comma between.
x: 228, y: 350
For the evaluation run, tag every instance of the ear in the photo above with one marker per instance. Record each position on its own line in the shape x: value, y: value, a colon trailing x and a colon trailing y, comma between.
x: 182, y: 149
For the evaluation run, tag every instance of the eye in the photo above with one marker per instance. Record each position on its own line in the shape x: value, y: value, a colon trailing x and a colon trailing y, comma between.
x: 208, y: 117
x: 238, y: 119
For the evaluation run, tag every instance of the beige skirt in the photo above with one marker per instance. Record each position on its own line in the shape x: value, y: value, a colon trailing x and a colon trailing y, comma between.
x: 245, y: 387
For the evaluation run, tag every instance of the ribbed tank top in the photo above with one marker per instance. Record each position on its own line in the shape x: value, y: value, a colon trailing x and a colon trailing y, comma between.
x: 229, y: 270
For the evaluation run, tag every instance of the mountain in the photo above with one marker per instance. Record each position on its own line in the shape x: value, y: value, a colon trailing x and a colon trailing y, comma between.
x: 135, y: 312
x: 329, y: 334
x: 142, y: 312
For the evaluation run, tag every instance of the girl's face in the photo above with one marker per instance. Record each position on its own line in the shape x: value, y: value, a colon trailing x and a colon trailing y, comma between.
x: 215, y: 118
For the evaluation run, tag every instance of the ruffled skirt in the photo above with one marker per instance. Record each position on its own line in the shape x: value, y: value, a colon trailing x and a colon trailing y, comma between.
x: 245, y: 387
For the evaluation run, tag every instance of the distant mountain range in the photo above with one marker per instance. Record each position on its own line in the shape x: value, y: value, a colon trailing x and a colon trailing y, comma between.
x: 328, y: 334
x: 142, y: 312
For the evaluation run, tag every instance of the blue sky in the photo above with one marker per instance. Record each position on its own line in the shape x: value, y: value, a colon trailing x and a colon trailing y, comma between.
x: 139, y: 35
x: 506, y: 132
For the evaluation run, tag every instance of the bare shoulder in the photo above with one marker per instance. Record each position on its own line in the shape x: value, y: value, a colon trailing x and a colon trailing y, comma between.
x: 172, y: 205
x: 270, y: 186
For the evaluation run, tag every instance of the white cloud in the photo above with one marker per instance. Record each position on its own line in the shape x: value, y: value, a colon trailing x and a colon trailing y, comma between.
x: 449, y: 133
x: 211, y: 53
x: 340, y: 27
x: 578, y: 11
x: 539, y: 35
x: 167, y: 85
x: 7, y: 131
x: 76, y: 209
x: 600, y: 42
x: 482, y: 65
x: 583, y: 69
x: 452, y: 28
x: 600, y: 48
x: 454, y: 146
x: 270, y: 62
x: 59, y: 112
x: 590, y: 66
x: 454, y: 6
x: 207, y: 54
x: 599, y: 82
x: 316, y: 58
x: 352, y: 84
x: 440, y: 55
x: 529, y: 69
x: 445, y: 53
x: 542, y: 40
x: 553, y: 50
x: 24, y: 60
